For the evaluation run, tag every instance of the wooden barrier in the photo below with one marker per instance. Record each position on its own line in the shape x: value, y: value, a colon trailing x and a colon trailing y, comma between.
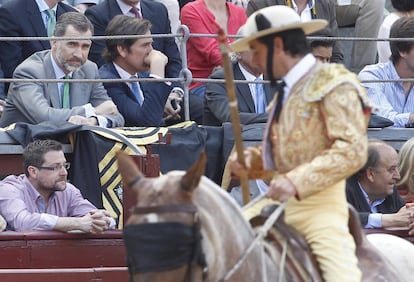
x: 58, y: 256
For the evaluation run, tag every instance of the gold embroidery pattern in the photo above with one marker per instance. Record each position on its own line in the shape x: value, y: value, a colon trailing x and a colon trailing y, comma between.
x: 322, y: 139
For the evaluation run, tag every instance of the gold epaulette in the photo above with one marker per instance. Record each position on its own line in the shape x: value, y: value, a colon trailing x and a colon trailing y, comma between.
x: 326, y: 77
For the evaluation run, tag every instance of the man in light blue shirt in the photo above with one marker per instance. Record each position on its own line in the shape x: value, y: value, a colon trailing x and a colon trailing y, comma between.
x: 372, y: 190
x: 394, y: 100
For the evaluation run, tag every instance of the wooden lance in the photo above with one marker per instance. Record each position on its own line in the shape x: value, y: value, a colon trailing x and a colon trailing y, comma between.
x: 234, y: 112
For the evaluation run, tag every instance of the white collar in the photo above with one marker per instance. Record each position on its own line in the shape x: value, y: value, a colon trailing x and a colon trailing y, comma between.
x: 123, y: 73
x: 44, y: 7
x: 298, y: 71
x: 126, y: 8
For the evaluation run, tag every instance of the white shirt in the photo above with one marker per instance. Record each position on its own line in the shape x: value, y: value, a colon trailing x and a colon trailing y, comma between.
x: 343, y: 2
x: 306, y: 14
x: 89, y: 109
x: 126, y: 75
x: 43, y: 7
x: 126, y: 9
x: 252, y: 86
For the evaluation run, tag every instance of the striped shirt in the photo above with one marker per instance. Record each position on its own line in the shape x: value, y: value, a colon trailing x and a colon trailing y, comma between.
x: 388, y: 97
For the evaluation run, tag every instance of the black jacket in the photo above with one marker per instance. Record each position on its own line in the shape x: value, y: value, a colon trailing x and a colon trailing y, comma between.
x: 391, y: 204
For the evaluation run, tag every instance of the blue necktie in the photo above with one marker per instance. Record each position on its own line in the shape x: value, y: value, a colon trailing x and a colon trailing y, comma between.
x: 260, y: 97
x: 135, y: 90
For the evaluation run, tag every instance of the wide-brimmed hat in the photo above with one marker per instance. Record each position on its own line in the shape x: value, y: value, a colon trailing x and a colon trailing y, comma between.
x: 273, y: 19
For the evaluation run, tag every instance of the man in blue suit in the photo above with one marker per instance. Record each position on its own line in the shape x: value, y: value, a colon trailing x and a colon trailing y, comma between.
x: 25, y: 18
x: 155, y: 12
x: 141, y: 104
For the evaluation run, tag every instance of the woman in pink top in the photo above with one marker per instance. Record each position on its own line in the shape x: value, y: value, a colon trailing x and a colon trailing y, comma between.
x: 205, y: 17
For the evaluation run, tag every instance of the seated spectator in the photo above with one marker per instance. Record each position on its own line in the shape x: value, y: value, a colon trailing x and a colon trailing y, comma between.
x: 308, y: 9
x: 141, y: 104
x: 372, y: 190
x: 207, y: 17
x: 366, y: 16
x: 26, y: 18
x: 252, y: 98
x: 157, y: 14
x: 42, y: 199
x: 406, y: 166
x: 322, y: 49
x: 394, y: 100
x: 79, y: 103
x: 403, y: 8
x: 101, y: 14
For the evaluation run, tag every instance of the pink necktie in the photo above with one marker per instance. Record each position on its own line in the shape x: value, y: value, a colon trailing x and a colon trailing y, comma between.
x: 136, y: 12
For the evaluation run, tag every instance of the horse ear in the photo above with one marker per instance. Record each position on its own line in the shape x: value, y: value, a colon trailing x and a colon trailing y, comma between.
x: 192, y: 177
x: 128, y: 169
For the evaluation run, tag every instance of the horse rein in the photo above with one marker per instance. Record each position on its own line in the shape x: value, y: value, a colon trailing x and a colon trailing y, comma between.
x: 198, y: 255
x: 261, y: 233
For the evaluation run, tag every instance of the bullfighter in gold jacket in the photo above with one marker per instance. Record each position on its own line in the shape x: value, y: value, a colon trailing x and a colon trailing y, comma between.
x: 314, y: 142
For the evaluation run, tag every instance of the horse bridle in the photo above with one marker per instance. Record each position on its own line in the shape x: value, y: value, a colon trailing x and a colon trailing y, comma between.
x: 196, y: 255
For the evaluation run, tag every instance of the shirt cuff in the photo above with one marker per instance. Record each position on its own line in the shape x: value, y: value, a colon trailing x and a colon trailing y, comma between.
x: 103, y: 121
x: 89, y: 110
x: 47, y: 222
x: 374, y: 220
x: 112, y: 224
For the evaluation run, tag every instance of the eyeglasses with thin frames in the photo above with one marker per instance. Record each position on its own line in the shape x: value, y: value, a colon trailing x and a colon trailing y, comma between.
x: 56, y: 167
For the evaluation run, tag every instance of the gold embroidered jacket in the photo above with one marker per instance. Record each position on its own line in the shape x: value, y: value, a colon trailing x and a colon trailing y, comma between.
x: 321, y: 135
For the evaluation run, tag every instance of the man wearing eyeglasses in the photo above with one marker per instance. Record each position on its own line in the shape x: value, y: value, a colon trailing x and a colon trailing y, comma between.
x: 372, y: 190
x: 42, y: 199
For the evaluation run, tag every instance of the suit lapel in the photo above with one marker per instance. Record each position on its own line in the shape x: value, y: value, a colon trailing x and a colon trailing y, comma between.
x: 128, y: 91
x: 78, y: 91
x: 36, y: 22
x: 51, y: 90
x: 114, y: 9
x: 243, y: 89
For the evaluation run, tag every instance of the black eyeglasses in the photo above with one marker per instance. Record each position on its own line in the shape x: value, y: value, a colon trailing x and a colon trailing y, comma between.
x: 56, y: 167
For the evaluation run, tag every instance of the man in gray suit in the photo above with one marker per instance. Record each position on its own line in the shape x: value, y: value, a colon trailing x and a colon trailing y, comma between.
x: 79, y: 103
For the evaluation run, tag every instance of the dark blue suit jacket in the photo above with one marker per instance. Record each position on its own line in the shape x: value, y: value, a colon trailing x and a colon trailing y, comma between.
x: 22, y: 18
x: 155, y: 12
x: 150, y: 113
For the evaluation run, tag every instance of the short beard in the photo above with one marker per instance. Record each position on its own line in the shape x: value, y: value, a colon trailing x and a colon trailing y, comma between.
x: 63, y: 63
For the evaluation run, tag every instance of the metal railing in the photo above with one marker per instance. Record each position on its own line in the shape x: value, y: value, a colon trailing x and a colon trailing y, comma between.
x: 185, y: 75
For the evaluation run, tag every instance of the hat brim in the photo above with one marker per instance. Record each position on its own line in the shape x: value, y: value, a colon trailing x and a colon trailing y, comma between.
x: 312, y: 26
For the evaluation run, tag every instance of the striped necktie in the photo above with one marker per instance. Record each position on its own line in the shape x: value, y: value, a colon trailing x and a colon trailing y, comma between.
x: 51, y: 22
x: 65, y: 93
x: 260, y: 97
